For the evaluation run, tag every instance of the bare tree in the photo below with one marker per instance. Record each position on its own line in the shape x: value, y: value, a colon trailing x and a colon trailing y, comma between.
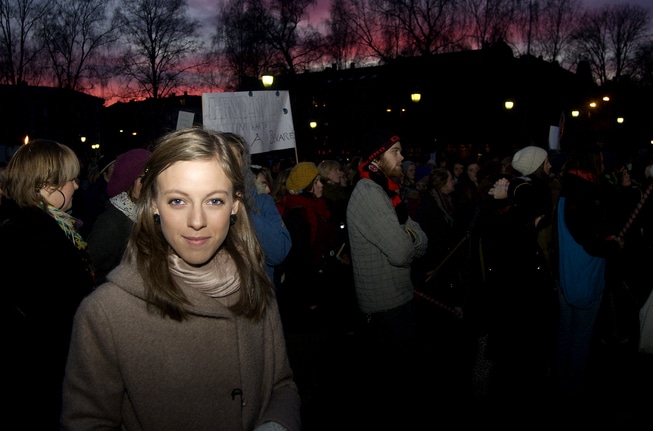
x: 369, y: 26
x: 643, y: 72
x: 590, y: 40
x: 73, y: 31
x: 608, y: 38
x: 490, y: 20
x: 557, y: 20
x: 241, y: 40
x: 340, y: 41
x: 19, y: 49
x: 296, y: 47
x: 627, y: 27
x: 161, y: 39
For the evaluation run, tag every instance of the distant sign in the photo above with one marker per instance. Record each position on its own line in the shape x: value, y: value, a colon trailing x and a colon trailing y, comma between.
x: 262, y: 118
x: 185, y: 119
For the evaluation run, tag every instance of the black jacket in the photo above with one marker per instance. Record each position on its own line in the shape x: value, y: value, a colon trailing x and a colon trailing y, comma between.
x: 45, y: 278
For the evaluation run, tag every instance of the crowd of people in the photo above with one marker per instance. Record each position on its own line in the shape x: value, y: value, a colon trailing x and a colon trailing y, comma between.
x: 186, y: 286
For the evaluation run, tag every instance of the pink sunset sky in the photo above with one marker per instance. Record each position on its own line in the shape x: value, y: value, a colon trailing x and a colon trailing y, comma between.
x: 205, y: 10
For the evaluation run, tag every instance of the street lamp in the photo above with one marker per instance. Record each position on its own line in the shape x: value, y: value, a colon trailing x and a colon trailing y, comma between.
x: 313, y: 124
x: 509, y: 104
x: 83, y: 139
x: 416, y: 96
x: 96, y: 149
x: 267, y: 78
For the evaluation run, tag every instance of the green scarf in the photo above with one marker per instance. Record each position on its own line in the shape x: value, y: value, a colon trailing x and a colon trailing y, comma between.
x: 69, y: 224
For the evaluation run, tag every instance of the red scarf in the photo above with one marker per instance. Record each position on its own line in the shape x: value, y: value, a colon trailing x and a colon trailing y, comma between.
x: 587, y: 176
x: 372, y: 172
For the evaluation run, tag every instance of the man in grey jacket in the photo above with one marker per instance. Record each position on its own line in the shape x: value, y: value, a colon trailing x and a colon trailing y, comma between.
x: 384, y: 241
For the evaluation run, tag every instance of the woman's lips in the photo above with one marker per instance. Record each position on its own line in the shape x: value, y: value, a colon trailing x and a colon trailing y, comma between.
x: 196, y: 241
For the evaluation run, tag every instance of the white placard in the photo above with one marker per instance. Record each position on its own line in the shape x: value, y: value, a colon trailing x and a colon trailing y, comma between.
x: 185, y: 119
x: 554, y: 138
x: 262, y: 118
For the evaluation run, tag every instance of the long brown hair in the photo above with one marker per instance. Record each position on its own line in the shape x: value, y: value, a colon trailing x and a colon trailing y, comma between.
x: 149, y: 248
x: 585, y: 157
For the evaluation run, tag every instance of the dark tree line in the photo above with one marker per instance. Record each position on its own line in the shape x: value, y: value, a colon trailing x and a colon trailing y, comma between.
x: 153, y: 48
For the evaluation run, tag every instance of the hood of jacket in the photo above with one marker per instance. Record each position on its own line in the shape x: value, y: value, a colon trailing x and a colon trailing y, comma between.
x: 126, y: 277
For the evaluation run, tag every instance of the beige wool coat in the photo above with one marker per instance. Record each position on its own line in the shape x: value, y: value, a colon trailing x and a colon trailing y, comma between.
x: 131, y: 369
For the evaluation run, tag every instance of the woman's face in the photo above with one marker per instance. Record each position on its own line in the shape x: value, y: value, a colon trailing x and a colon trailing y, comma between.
x: 410, y: 172
x: 458, y: 169
x: 472, y: 171
x: 449, y: 186
x: 195, y: 201
x: 136, y: 188
x: 336, y: 176
x: 318, y: 187
x: 262, y: 185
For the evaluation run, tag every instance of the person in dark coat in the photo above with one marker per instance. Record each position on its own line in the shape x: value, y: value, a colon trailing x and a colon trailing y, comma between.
x: 47, y: 272
x: 93, y: 198
x: 585, y: 242
x: 516, y: 304
x: 108, y: 238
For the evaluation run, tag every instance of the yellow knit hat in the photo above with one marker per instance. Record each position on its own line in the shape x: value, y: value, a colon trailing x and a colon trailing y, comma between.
x: 301, y: 177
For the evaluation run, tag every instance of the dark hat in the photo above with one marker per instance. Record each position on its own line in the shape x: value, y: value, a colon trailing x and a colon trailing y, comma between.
x: 129, y: 166
x: 377, y: 142
x: 105, y: 161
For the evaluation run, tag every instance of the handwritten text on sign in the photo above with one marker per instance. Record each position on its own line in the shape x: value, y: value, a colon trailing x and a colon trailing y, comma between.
x: 262, y: 118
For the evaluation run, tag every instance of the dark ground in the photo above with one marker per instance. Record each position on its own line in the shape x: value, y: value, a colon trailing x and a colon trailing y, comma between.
x: 337, y: 397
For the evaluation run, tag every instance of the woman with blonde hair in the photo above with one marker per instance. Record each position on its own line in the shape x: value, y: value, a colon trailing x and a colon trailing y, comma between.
x: 45, y: 257
x: 186, y: 333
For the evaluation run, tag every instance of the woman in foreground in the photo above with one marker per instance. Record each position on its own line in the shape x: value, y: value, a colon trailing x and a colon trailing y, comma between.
x: 185, y: 334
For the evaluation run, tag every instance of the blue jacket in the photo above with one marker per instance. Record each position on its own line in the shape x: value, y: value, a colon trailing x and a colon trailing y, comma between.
x: 271, y: 232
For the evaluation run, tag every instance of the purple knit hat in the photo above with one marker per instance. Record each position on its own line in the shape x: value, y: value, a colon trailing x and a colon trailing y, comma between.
x: 129, y: 166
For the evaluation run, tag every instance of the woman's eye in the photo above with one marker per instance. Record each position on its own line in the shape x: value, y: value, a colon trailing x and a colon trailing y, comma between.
x: 176, y: 202
x: 216, y: 201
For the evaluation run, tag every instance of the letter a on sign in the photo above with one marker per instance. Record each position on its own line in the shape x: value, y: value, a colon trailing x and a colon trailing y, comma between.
x: 262, y: 118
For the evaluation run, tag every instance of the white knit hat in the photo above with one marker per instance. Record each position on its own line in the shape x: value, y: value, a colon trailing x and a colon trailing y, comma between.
x: 528, y: 159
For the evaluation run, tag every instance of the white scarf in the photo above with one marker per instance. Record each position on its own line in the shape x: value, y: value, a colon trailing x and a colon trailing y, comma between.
x: 125, y: 205
x: 217, y: 279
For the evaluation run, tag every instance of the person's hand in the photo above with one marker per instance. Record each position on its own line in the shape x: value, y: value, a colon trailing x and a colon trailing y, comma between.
x: 500, y: 189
